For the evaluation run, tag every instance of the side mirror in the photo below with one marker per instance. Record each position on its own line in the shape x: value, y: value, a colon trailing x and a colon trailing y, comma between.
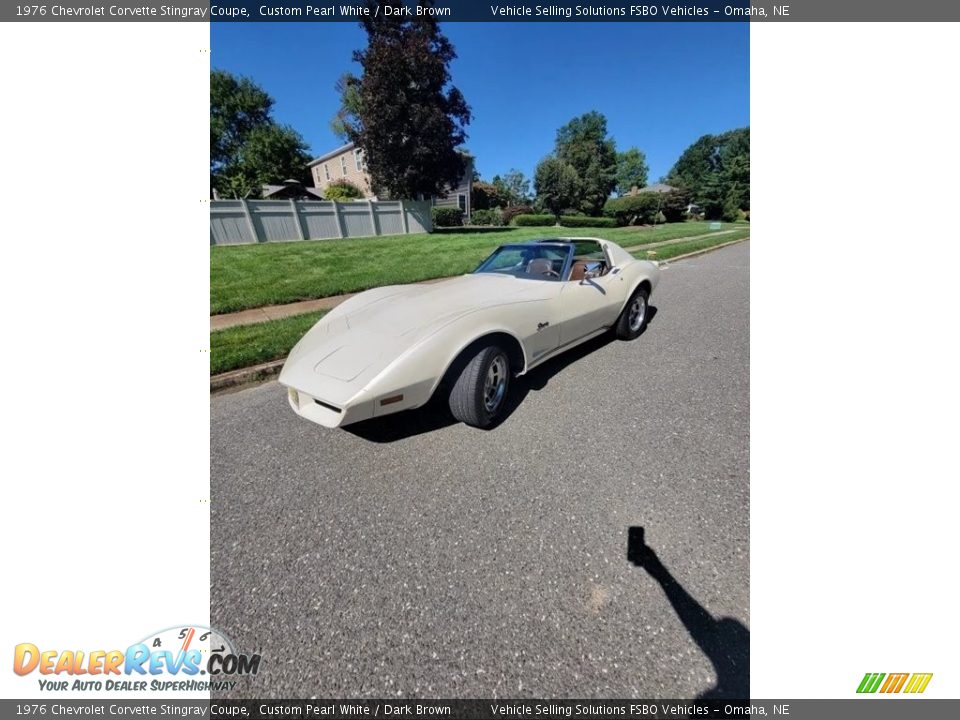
x: 592, y: 270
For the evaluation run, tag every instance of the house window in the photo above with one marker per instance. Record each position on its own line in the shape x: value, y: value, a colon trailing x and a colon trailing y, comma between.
x: 358, y: 159
x: 462, y: 202
x: 326, y: 171
x: 343, y: 164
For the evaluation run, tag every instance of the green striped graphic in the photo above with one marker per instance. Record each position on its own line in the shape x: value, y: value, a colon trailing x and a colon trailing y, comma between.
x: 870, y: 682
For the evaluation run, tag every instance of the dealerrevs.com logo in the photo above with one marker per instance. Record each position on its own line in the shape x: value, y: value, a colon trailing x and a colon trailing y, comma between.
x: 181, y: 658
x: 910, y: 683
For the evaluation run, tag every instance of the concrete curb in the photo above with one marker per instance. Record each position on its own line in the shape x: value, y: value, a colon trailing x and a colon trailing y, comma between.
x: 256, y: 374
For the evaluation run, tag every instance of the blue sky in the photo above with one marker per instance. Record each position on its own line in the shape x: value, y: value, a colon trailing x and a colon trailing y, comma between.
x: 661, y: 85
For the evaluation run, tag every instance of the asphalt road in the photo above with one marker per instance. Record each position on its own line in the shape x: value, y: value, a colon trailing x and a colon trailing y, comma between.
x: 418, y: 558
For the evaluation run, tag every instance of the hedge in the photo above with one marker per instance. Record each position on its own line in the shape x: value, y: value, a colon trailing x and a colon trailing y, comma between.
x: 644, y: 208
x: 633, y: 209
x: 578, y: 221
x: 509, y: 213
x: 534, y: 220
x: 447, y: 217
x: 486, y: 217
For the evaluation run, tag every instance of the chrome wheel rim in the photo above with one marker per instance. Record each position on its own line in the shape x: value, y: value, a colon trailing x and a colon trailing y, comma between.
x: 638, y: 311
x: 495, y: 384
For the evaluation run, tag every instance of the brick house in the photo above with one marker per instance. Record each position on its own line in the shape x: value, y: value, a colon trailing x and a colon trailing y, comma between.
x: 346, y: 163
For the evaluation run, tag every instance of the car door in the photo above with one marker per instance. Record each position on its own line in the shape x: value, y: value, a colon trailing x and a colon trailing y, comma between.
x: 589, y: 304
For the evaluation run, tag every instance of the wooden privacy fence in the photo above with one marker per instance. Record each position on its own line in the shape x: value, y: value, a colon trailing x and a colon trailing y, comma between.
x: 239, y: 222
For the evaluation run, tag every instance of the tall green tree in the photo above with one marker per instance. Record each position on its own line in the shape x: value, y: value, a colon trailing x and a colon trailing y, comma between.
x: 716, y: 171
x: 557, y: 184
x: 237, y: 106
x: 403, y: 109
x: 584, y: 144
x: 632, y: 170
x: 514, y: 186
x: 271, y: 154
x: 348, y: 115
x: 247, y: 148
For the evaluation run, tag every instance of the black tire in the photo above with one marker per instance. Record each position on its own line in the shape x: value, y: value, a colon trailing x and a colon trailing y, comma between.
x: 629, y: 325
x: 472, y: 400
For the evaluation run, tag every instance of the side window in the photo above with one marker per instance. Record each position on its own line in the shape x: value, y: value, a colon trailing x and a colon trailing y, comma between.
x: 326, y: 171
x: 343, y: 164
x: 462, y: 202
x: 588, y: 249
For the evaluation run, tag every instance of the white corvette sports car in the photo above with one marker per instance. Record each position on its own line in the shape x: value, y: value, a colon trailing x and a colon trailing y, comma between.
x: 392, y: 348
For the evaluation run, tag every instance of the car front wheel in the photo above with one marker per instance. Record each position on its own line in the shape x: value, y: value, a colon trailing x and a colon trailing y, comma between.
x: 634, y: 316
x: 480, y: 391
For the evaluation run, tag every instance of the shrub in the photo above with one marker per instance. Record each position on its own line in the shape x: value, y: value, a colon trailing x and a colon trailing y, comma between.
x: 575, y: 221
x: 486, y: 217
x: 534, y: 220
x: 447, y: 217
x: 509, y: 213
x: 342, y: 190
x: 675, y: 204
x: 731, y: 210
x: 633, y: 209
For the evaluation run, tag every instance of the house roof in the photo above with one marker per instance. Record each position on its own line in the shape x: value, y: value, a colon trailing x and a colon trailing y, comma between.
x: 332, y: 154
x: 268, y: 190
x: 657, y: 188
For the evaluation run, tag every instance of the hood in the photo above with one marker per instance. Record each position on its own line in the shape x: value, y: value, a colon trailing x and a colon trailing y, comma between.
x: 407, y: 309
x: 347, y: 349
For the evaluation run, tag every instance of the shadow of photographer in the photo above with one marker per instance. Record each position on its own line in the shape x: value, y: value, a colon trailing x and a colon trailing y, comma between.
x: 725, y: 642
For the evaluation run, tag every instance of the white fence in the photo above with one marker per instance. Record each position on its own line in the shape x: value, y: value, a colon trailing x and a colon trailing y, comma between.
x: 239, y: 222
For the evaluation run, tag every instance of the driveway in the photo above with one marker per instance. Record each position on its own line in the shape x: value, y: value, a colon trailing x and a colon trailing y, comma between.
x: 412, y: 557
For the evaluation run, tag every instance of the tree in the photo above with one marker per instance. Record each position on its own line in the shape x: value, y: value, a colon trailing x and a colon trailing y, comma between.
x: 514, y: 186
x: 584, y: 144
x: 487, y: 195
x: 271, y: 154
x: 403, y: 110
x: 348, y: 87
x: 632, y: 170
x: 716, y: 170
x: 247, y: 148
x: 237, y: 106
x: 557, y: 184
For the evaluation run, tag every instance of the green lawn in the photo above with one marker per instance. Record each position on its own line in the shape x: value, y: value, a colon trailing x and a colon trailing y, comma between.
x: 249, y: 276
x: 248, y: 345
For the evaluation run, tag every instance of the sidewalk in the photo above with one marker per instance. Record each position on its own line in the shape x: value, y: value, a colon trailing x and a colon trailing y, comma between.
x: 276, y: 312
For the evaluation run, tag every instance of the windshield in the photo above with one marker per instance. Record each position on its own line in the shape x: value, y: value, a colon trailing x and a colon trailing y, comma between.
x: 532, y: 262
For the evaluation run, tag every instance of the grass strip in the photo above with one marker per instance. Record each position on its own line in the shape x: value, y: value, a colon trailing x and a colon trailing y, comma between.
x: 247, y: 345
x: 249, y: 276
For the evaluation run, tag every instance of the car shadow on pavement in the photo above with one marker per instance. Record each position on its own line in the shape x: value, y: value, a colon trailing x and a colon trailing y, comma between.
x: 725, y: 642
x: 435, y: 415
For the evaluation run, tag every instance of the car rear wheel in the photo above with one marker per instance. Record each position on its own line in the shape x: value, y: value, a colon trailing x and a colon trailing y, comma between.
x: 634, y: 316
x: 480, y: 391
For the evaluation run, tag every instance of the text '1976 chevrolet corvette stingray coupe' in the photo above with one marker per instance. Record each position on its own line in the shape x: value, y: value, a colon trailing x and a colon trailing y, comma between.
x: 393, y: 348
